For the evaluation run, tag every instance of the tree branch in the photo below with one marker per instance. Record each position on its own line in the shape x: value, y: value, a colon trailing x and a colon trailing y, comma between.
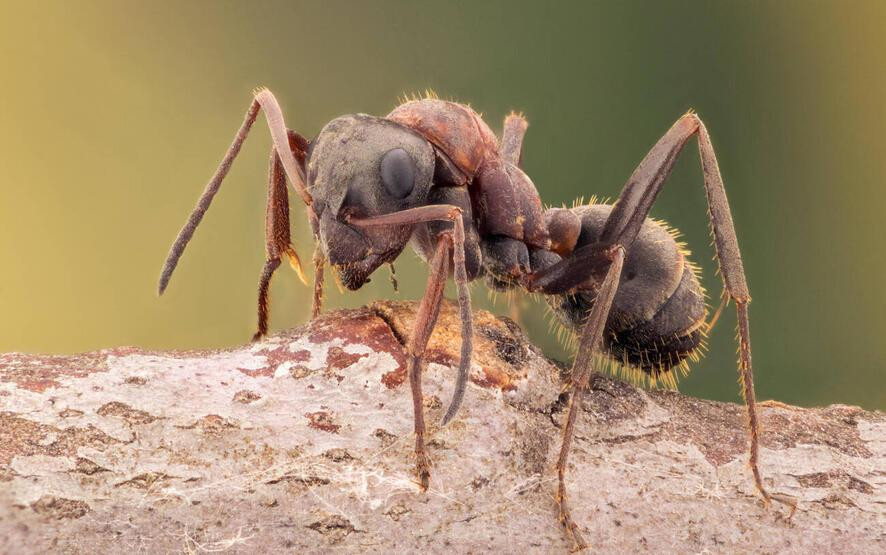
x: 303, y: 442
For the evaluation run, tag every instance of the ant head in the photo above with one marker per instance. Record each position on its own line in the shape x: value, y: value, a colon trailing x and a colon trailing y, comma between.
x: 362, y: 166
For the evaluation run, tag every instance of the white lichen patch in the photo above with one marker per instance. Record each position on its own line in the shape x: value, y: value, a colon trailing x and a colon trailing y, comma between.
x: 41, y: 465
x: 173, y: 396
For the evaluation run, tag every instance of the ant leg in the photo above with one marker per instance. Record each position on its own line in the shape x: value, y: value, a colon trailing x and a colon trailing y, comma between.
x: 264, y: 282
x: 277, y: 239
x: 281, y: 138
x: 512, y: 152
x: 318, y: 259
x: 460, y: 275
x: 724, y: 300
x: 512, y: 138
x: 425, y: 320
x: 632, y: 208
x: 442, y: 212
x: 319, y: 263
x: 589, y: 346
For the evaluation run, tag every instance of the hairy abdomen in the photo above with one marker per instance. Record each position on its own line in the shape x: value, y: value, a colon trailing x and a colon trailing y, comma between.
x: 658, y: 315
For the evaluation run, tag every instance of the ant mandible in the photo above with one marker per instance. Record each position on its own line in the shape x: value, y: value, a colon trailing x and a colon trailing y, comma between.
x: 433, y: 173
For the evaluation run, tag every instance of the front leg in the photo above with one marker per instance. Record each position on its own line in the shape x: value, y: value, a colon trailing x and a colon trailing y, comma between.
x: 448, y: 242
x: 425, y: 320
x: 450, y: 213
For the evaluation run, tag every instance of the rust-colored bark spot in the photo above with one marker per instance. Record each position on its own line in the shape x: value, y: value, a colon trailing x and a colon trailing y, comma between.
x: 322, y: 420
x: 338, y: 359
x: 394, y: 378
x: 263, y: 372
x: 281, y: 354
x: 500, y: 351
x: 38, y: 373
x: 275, y: 356
x: 361, y: 327
x: 443, y: 357
x: 494, y: 377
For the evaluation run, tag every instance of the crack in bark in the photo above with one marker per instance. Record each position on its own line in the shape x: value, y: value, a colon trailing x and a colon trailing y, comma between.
x: 388, y: 319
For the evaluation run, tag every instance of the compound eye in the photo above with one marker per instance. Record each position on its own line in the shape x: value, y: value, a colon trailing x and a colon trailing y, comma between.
x: 398, y: 172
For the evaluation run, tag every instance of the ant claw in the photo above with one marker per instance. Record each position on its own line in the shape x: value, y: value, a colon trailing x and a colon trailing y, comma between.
x: 423, y: 471
x: 787, y: 500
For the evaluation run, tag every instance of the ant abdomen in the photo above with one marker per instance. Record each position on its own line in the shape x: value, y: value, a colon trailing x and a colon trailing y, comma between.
x: 658, y: 314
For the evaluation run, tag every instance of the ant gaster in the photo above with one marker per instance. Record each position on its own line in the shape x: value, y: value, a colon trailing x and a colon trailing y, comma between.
x: 432, y: 173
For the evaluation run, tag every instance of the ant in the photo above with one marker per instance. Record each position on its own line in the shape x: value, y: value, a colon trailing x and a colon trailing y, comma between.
x: 432, y: 173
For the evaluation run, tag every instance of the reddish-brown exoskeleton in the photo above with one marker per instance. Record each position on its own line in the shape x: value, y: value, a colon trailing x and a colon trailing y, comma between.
x: 433, y: 173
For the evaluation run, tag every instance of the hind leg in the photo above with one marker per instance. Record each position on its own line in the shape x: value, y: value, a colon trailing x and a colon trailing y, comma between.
x: 582, y: 267
x: 632, y: 208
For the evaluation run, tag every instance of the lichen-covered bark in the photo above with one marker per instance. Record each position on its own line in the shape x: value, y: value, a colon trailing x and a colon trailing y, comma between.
x: 302, y: 443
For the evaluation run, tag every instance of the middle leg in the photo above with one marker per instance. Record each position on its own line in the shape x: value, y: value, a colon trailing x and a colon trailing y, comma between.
x: 278, y: 242
x: 512, y: 138
x: 589, y: 346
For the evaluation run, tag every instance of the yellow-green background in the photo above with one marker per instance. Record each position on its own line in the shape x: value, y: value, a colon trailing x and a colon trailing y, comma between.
x: 114, y: 114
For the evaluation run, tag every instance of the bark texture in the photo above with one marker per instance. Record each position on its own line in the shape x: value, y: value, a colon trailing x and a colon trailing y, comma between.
x: 303, y: 443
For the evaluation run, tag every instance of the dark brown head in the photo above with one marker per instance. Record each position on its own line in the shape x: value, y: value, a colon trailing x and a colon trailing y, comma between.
x: 361, y: 166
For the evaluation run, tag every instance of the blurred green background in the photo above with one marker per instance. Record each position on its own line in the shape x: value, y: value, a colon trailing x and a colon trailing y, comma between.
x: 114, y: 115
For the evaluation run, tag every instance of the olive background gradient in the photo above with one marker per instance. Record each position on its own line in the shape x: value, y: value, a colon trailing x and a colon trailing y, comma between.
x: 115, y: 114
